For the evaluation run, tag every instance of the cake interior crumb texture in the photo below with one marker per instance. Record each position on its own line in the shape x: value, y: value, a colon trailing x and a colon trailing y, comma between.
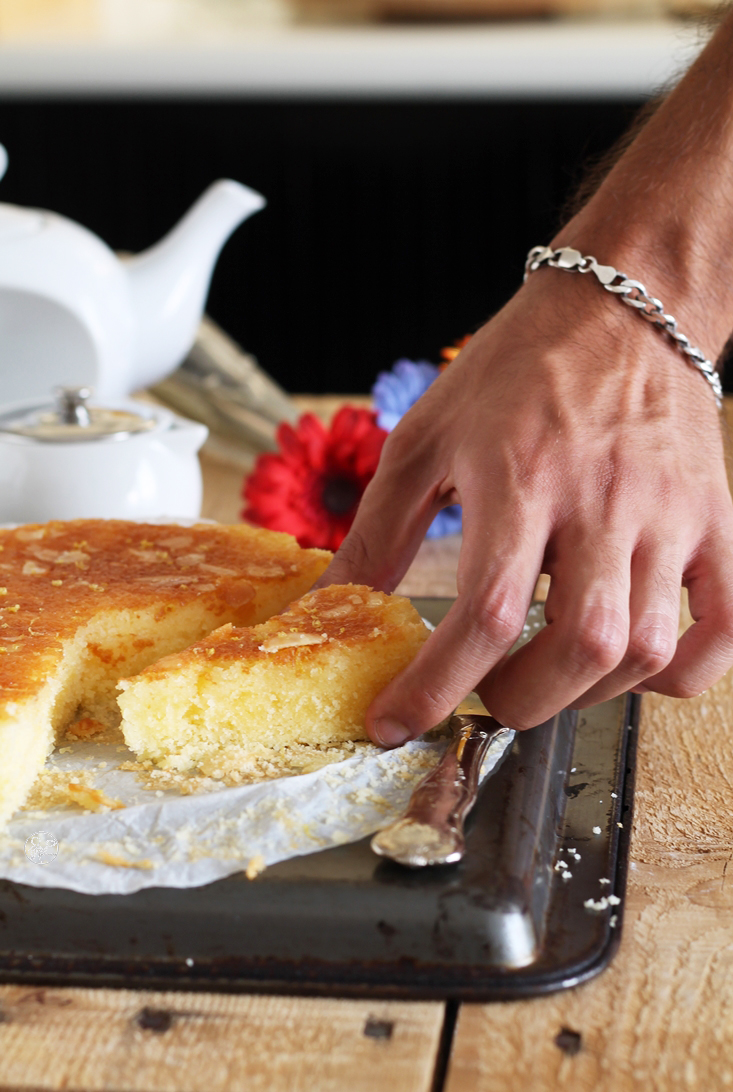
x: 304, y: 677
x: 85, y: 602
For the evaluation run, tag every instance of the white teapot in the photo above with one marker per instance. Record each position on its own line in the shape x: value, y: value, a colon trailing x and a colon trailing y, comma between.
x: 72, y: 312
x: 76, y: 460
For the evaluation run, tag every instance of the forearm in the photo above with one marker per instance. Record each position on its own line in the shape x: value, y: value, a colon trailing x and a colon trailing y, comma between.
x: 664, y: 214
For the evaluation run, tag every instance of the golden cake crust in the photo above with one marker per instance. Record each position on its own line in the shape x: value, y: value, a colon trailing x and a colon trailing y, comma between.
x: 348, y: 614
x: 54, y: 577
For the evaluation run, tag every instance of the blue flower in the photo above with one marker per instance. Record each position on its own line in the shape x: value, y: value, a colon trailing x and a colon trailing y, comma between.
x: 393, y: 393
x: 448, y: 521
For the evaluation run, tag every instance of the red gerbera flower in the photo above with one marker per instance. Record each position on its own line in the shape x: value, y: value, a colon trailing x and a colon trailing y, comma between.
x: 313, y: 486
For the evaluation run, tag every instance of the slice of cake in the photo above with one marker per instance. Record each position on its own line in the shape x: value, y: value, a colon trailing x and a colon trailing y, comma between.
x: 85, y: 602
x: 305, y: 677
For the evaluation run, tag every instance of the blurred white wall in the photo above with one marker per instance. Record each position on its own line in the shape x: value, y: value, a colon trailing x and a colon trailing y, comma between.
x: 258, y: 47
x: 134, y: 20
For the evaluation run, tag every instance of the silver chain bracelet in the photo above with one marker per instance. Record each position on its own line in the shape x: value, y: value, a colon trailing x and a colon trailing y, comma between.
x: 632, y: 292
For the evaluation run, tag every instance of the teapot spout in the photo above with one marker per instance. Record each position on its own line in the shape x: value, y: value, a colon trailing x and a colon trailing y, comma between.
x: 170, y: 281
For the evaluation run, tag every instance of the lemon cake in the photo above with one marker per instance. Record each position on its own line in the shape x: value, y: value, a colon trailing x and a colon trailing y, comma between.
x: 84, y: 602
x: 304, y: 677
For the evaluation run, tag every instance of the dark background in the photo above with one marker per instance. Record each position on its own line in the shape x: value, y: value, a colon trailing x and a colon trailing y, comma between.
x: 392, y: 228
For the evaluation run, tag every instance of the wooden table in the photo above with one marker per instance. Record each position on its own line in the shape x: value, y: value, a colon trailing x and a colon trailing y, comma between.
x: 660, y: 1018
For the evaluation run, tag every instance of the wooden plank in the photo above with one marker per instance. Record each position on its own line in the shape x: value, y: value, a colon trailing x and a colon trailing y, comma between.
x: 433, y: 572
x: 223, y: 483
x: 124, y: 1041
x: 662, y: 1016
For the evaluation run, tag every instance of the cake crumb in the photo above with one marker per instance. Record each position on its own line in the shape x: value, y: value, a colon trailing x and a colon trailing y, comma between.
x: 114, y: 861
x: 51, y: 790
x: 255, y: 866
x: 596, y: 830
x: 58, y: 789
x: 279, y: 641
x: 92, y: 799
x: 32, y: 568
x: 86, y: 728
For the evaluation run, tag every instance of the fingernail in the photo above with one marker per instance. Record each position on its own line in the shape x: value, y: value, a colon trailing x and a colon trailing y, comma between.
x: 389, y: 732
x: 640, y: 689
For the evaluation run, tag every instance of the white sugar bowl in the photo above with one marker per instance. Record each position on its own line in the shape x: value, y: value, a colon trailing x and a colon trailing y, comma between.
x: 75, y: 460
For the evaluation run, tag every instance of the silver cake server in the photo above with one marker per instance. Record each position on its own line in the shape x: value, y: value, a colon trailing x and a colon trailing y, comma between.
x: 431, y: 830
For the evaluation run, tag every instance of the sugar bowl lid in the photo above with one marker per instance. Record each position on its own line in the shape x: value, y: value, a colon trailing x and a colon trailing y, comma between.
x: 72, y: 420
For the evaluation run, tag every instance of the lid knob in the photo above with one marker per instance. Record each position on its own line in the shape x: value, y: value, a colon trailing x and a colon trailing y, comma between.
x: 71, y: 420
x: 71, y: 405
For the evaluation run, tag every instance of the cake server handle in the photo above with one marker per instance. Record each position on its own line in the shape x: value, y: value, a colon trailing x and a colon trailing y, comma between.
x: 431, y: 830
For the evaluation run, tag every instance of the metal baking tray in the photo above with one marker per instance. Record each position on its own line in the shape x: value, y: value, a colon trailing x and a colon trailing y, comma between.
x: 502, y: 923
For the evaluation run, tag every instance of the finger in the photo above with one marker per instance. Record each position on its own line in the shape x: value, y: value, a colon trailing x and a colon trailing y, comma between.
x: 395, y: 512
x: 587, y: 611
x: 654, y: 607
x: 705, y: 651
x: 497, y: 575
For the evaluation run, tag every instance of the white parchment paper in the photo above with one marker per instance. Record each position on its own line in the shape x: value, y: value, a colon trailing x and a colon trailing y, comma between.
x: 163, y: 839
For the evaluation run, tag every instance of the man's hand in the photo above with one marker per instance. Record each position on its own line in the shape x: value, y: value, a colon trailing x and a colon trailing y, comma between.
x: 581, y: 444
